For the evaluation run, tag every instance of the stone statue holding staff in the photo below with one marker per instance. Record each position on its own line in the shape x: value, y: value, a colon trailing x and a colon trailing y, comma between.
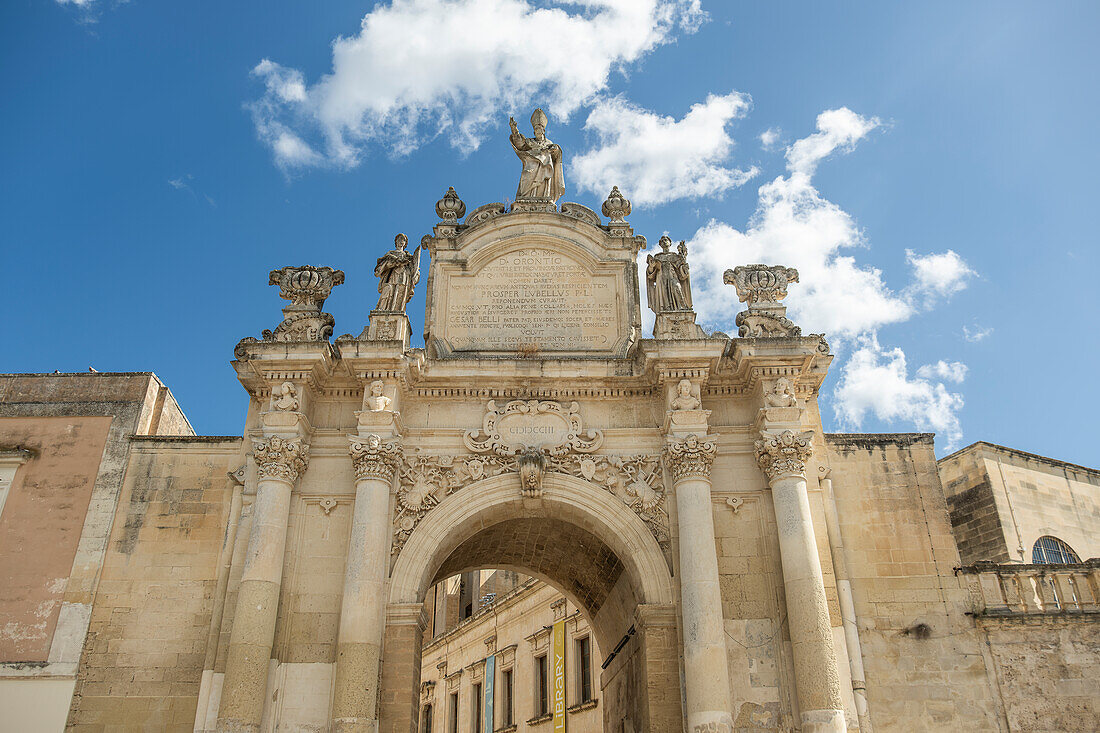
x: 543, y: 175
x: 397, y: 272
x: 668, y: 284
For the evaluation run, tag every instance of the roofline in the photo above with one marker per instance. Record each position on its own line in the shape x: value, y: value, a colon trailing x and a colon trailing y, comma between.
x: 1015, y: 451
x: 79, y: 374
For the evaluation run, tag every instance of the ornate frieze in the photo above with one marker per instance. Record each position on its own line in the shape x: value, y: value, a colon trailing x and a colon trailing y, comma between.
x: 784, y: 454
x: 426, y: 480
x: 280, y: 458
x: 691, y: 457
x: 374, y: 459
x: 522, y: 424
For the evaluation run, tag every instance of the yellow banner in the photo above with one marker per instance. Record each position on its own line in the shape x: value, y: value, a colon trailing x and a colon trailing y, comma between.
x: 557, y: 676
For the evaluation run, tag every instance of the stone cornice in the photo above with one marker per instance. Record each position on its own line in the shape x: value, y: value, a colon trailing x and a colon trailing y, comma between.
x: 281, y: 459
x: 691, y: 457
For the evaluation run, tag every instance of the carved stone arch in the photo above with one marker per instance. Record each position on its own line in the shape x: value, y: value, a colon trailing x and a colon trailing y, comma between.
x: 629, y: 600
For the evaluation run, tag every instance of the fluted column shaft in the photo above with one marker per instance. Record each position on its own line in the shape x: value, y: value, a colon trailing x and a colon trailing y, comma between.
x: 362, y: 622
x: 280, y: 461
x: 783, y: 457
x: 706, y: 676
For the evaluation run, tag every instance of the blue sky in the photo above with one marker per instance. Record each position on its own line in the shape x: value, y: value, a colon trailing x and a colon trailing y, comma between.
x: 930, y: 169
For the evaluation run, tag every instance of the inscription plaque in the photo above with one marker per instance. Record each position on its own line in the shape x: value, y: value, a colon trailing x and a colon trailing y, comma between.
x: 533, y: 298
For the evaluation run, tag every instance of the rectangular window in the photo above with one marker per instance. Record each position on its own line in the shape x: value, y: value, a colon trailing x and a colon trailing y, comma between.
x: 453, y: 722
x: 542, y: 686
x: 584, y: 670
x: 479, y: 721
x: 507, y: 711
x: 426, y: 720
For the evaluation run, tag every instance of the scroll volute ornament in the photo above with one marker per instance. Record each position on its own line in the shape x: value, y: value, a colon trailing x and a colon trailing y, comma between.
x: 373, y: 458
x: 280, y: 458
x: 691, y: 457
x: 784, y: 454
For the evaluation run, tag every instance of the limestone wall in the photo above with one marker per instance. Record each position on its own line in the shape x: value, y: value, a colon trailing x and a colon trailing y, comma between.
x: 923, y: 658
x: 1024, y: 497
x: 143, y: 658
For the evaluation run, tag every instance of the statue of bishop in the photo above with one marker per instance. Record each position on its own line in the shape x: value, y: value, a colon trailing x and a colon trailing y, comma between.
x: 543, y: 175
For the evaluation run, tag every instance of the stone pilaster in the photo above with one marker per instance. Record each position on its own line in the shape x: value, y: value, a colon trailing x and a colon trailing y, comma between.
x: 359, y: 643
x: 783, y: 456
x: 706, y: 675
x: 280, y: 462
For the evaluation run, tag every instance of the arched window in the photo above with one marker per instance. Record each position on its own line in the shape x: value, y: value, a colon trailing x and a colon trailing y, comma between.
x: 1049, y: 549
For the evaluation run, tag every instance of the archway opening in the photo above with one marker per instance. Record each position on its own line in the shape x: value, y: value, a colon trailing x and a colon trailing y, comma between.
x: 597, y: 578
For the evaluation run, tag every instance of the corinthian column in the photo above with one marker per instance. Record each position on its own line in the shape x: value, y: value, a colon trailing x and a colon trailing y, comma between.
x: 783, y: 457
x: 359, y: 644
x: 706, y: 676
x: 281, y: 462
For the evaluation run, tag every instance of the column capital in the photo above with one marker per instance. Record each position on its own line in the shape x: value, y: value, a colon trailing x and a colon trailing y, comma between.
x: 281, y: 458
x: 784, y: 454
x: 373, y: 458
x: 691, y: 457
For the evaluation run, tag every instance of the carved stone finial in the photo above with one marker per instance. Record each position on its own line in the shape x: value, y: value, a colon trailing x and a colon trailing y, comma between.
x: 374, y: 459
x: 285, y: 398
x: 691, y: 457
x: 450, y: 208
x: 280, y: 458
x: 784, y: 454
x: 616, y: 207
x: 532, y: 466
x: 763, y: 287
x: 306, y: 288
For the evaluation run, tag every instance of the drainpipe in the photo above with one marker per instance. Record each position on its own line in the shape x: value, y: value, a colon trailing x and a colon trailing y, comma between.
x: 844, y: 596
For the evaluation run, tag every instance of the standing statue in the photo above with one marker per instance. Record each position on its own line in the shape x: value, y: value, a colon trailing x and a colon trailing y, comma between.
x: 543, y: 175
x: 397, y: 272
x: 668, y: 285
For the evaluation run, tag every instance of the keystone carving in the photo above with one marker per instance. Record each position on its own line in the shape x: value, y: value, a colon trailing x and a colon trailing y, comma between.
x: 374, y: 459
x: 763, y: 287
x: 691, y: 457
x: 532, y: 466
x: 784, y: 454
x: 306, y: 288
x: 279, y: 458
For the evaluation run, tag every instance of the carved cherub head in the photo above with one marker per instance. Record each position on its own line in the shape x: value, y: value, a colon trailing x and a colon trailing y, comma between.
x: 376, y: 388
x: 374, y: 442
x: 684, y: 388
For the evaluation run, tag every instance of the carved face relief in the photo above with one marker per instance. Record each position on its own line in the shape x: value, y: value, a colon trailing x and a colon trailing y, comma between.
x: 588, y: 468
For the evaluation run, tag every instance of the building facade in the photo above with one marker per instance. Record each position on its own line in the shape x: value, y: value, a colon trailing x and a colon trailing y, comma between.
x: 732, y: 566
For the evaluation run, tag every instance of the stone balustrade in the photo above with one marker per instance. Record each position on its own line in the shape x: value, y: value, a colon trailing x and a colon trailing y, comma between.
x: 1018, y: 590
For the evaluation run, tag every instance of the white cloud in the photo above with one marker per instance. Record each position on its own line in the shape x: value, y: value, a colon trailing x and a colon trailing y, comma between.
x: 656, y: 159
x: 876, y: 382
x: 951, y: 371
x: 937, y: 275
x: 421, y: 68
x: 77, y: 3
x: 976, y: 334
x: 769, y: 139
x: 794, y: 225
